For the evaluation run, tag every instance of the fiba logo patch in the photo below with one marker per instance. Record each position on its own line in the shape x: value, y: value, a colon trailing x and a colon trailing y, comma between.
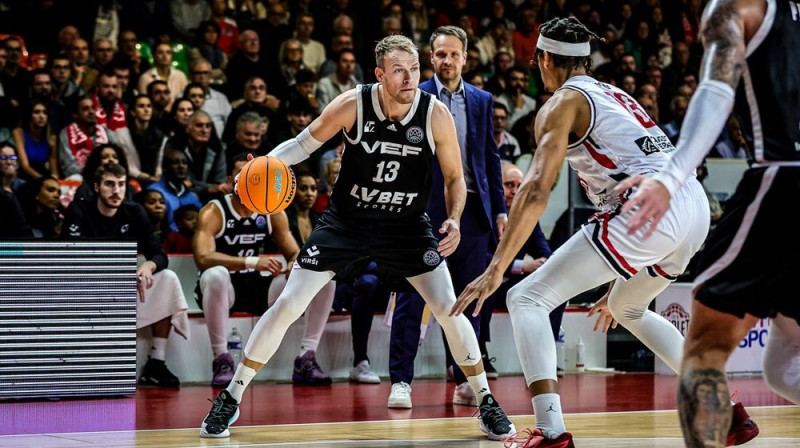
x: 677, y: 316
x: 414, y: 134
x: 431, y: 257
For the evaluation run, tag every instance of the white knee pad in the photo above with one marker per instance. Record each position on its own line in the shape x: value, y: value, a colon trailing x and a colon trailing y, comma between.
x: 214, y: 283
x: 625, y: 312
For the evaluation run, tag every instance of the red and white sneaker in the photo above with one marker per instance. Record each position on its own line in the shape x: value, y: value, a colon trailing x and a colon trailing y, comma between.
x: 535, y: 439
x: 743, y: 428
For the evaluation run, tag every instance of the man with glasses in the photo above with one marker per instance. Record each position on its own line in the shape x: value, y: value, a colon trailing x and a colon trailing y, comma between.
x: 507, y: 144
x: 206, y: 156
x: 514, y: 98
x: 246, y: 64
x: 16, y: 79
x: 42, y: 89
x: 159, y: 94
x: 103, y: 54
x: 61, y: 71
x: 216, y: 103
x: 255, y: 100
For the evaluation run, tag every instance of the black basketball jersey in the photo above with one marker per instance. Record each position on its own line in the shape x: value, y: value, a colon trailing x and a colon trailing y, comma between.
x: 240, y: 236
x: 768, y: 97
x: 386, y: 165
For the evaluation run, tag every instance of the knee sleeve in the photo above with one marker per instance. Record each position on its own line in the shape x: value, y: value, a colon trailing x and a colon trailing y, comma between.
x: 623, y: 312
x: 214, y: 285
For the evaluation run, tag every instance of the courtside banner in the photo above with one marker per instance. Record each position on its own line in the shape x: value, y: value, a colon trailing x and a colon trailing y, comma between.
x: 675, y: 305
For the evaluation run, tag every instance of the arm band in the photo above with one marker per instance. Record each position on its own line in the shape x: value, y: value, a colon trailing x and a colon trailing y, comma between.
x: 297, y: 149
x: 705, y: 118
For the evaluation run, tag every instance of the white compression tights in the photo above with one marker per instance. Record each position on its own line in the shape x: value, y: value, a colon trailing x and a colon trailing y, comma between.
x: 436, y: 287
x: 574, y: 268
x: 219, y: 296
x: 782, y: 358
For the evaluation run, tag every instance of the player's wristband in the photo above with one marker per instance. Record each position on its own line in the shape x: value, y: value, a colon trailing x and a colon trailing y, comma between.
x: 516, y: 267
x: 251, y: 262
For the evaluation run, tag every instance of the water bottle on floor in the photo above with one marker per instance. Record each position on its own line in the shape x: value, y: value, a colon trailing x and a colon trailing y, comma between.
x: 235, y: 346
x: 580, y: 357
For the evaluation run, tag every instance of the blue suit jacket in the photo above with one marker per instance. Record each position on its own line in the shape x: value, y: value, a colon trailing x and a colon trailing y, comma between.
x: 484, y: 158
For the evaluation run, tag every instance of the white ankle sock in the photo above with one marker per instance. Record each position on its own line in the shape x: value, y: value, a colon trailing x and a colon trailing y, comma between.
x: 241, y: 379
x: 159, y: 348
x: 547, y: 410
x: 480, y: 385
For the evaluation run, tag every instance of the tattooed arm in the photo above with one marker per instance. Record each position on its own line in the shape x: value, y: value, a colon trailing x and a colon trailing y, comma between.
x: 726, y: 25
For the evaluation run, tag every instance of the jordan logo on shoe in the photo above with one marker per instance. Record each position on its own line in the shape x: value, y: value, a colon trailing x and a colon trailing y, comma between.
x: 468, y: 358
x: 240, y: 382
x: 550, y: 409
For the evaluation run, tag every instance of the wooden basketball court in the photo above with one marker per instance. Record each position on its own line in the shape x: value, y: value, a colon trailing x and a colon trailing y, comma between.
x: 602, y: 411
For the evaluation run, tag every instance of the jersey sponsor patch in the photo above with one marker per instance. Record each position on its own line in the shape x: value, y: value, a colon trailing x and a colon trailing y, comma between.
x: 649, y: 144
x: 414, y: 134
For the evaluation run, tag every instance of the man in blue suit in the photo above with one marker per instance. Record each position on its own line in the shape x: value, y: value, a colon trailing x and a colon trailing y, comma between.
x: 484, y: 214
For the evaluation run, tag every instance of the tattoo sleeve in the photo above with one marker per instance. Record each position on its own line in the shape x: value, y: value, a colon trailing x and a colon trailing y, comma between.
x: 723, y: 38
x: 704, y: 407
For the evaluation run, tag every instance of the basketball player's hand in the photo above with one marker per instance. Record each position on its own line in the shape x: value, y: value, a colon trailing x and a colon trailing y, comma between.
x: 144, y: 277
x: 649, y: 203
x: 270, y: 264
x: 604, y: 317
x: 480, y: 289
x: 449, y: 244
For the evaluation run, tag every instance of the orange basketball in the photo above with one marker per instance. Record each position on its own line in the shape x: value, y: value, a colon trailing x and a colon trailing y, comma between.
x: 266, y: 185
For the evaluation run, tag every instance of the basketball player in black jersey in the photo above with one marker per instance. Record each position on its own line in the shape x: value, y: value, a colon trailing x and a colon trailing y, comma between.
x: 377, y: 212
x: 747, y: 268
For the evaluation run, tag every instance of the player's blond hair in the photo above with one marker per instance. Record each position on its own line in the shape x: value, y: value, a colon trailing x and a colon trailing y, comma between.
x: 391, y: 43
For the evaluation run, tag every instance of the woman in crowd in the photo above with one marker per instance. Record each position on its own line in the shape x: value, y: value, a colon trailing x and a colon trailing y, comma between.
x: 41, y: 202
x: 37, y: 143
x: 206, y: 47
x: 156, y: 207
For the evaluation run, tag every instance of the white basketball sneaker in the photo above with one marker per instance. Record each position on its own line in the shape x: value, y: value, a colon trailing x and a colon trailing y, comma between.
x: 362, y: 373
x: 400, y: 397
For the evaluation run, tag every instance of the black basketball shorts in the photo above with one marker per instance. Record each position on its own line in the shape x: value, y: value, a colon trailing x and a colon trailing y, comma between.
x: 749, y: 260
x: 251, y: 290
x: 402, y: 249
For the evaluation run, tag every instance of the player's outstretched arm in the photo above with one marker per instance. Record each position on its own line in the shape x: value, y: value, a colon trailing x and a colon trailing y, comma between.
x: 553, y: 125
x: 724, y: 30
x: 455, y: 189
x: 338, y: 114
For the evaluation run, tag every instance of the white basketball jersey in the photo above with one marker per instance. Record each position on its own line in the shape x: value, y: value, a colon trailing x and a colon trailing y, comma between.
x: 622, y: 140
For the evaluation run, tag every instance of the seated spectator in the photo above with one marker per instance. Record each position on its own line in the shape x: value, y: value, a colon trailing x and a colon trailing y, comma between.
x: 291, y: 62
x: 43, y: 91
x: 255, y: 100
x: 507, y: 145
x: 36, y: 143
x: 216, y: 103
x: 128, y: 56
x: 313, y: 51
x: 330, y: 173
x: 110, y: 112
x: 9, y: 167
x: 79, y: 138
x: 732, y: 144
x: 159, y: 94
x: 126, y: 88
x: 16, y: 79
x: 156, y: 207
x: 206, y: 157
x: 172, y: 185
x: 182, y: 110
x: 180, y: 241
x: 340, y: 81
x: 227, y: 252
x: 148, y: 139
x: 161, y: 304
x: 303, y: 90
x: 206, y: 48
x: 515, y: 96
x: 104, y: 155
x: 196, y: 94
x: 64, y: 86
x: 187, y: 15
x: 41, y: 201
x: 250, y: 137
x: 246, y: 64
x: 228, y: 29
x: 103, y: 54
x: 164, y: 71
x: 677, y: 108
x: 339, y: 43
x: 84, y: 76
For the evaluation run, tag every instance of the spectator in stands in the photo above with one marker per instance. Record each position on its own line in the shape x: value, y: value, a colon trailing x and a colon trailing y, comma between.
x: 159, y: 94
x: 187, y: 16
x: 43, y: 90
x: 164, y: 71
x: 84, y: 76
x: 196, y: 94
x: 148, y: 139
x: 476, y: 79
x: 79, y: 138
x: 418, y: 21
x: 9, y: 166
x: 228, y: 29
x: 180, y: 241
x: 161, y: 303
x: 313, y: 51
x: 227, y: 252
x: 527, y: 33
x: 677, y: 109
x: 40, y: 199
x: 128, y: 56
x: 172, y: 185
x: 155, y: 206
x: 127, y: 89
x: 249, y: 138
x: 339, y: 43
x: 503, y: 61
x: 340, y: 81
x: 206, y: 157
x: 628, y: 84
x: 103, y: 155
x: 110, y: 112
x: 497, y: 38
x: 182, y: 110
x: 274, y: 30
x: 330, y: 172
x: 255, y: 99
x: 298, y: 116
x: 65, y: 37
x: 515, y: 97
x: 247, y: 63
x: 216, y: 103
x: 102, y: 55
x: 291, y: 59
x: 303, y: 90
x: 206, y: 48
x: 36, y: 142
x: 507, y: 145
x: 16, y: 78
x: 732, y: 144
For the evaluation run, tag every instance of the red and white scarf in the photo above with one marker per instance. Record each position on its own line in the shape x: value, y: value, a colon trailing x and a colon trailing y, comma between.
x: 116, y: 121
x: 81, y: 144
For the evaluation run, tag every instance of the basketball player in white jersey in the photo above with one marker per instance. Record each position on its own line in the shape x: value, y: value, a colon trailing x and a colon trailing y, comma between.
x: 606, y: 136
x: 392, y: 132
x: 748, y: 269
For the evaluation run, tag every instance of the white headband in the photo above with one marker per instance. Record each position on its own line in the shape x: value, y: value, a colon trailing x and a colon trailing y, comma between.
x: 563, y: 48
